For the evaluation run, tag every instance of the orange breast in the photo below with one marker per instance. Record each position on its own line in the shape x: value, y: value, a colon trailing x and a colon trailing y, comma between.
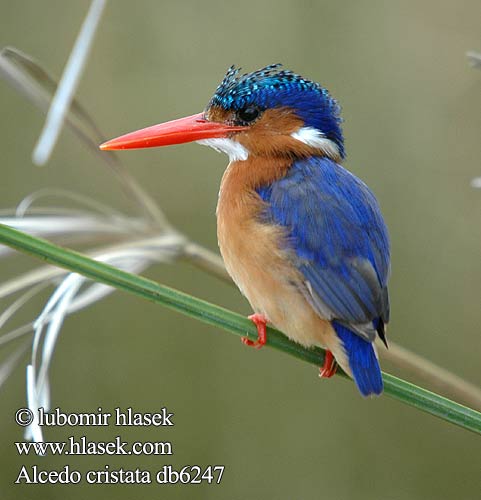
x: 254, y: 256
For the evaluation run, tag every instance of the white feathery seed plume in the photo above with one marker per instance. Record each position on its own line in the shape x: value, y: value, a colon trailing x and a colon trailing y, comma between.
x: 136, y: 247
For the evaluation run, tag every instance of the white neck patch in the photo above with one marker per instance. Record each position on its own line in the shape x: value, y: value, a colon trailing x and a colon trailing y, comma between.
x: 233, y: 149
x: 316, y: 139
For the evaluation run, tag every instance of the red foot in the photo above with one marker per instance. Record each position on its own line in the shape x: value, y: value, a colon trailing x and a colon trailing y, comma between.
x: 328, y: 369
x: 260, y: 321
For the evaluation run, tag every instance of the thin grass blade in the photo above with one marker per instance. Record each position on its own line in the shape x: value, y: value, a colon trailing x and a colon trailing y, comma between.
x: 68, y: 84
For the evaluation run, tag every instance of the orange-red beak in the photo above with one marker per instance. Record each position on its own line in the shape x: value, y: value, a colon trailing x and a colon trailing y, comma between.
x: 188, y: 129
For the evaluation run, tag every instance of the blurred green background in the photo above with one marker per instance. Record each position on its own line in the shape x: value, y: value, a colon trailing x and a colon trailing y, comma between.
x: 412, y: 110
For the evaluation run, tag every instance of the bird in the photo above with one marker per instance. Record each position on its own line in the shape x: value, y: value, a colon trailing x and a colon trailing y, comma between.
x: 302, y: 237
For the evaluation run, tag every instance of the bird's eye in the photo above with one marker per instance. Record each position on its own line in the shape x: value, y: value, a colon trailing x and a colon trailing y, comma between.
x: 248, y: 114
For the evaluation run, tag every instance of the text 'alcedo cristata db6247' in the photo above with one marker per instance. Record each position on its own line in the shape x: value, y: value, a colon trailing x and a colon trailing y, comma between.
x: 302, y: 237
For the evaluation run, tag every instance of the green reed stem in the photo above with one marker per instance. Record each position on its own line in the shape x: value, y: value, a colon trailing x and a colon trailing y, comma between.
x: 397, y: 388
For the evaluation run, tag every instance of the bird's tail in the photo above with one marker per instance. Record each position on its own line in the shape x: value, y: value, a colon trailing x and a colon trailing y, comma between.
x: 363, y: 361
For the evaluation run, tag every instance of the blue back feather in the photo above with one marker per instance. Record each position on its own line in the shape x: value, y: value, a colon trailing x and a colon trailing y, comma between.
x: 338, y: 240
x: 272, y: 87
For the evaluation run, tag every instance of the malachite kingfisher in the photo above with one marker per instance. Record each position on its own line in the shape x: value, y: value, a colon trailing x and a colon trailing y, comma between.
x: 301, y: 236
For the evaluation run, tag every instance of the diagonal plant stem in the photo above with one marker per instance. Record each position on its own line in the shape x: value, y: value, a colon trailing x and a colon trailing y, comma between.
x: 438, y: 378
x: 399, y: 389
x: 68, y: 84
x: 28, y: 78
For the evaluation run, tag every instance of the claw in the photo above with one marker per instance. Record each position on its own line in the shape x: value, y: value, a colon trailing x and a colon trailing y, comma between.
x: 260, y: 321
x: 328, y: 369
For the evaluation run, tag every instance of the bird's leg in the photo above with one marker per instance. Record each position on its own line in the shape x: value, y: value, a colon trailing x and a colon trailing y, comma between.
x: 328, y: 369
x: 260, y: 321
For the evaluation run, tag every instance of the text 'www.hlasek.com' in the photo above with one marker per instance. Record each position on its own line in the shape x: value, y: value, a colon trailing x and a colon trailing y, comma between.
x: 81, y: 445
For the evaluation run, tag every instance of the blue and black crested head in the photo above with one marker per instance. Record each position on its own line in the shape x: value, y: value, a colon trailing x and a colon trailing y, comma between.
x: 269, y: 113
x: 272, y: 94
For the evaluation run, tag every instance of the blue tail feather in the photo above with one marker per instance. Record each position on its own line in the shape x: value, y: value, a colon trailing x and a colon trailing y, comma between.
x: 362, y: 361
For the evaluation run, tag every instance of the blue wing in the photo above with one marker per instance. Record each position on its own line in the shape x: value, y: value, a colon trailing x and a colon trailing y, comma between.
x: 337, y: 239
